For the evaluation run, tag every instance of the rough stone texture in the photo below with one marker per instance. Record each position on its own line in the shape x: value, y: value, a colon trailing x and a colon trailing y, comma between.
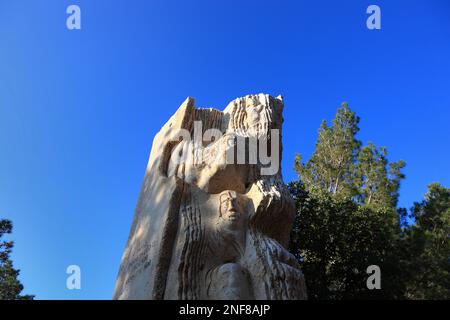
x: 211, y: 229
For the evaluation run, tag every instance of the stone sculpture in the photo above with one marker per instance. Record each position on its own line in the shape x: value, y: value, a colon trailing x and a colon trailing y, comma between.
x: 214, y: 216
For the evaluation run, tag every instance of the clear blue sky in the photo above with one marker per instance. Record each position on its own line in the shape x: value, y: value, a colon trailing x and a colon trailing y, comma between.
x: 79, y: 109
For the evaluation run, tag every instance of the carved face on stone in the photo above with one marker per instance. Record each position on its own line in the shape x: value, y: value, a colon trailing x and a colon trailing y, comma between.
x: 253, y: 113
x: 256, y: 123
x: 232, y: 210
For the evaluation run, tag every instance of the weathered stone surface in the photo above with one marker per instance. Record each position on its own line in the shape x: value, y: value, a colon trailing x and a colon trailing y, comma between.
x: 214, y: 226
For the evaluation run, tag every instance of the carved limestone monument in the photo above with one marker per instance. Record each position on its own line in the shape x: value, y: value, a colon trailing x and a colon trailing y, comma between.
x: 214, y: 216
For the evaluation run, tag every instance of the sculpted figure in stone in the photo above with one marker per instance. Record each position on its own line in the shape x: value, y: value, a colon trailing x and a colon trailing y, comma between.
x: 229, y: 280
x: 214, y: 214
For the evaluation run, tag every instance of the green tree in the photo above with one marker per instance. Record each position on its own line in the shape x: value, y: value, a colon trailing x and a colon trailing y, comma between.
x: 335, y: 240
x: 346, y: 219
x: 377, y: 181
x: 331, y: 166
x: 427, y: 244
x: 10, y: 286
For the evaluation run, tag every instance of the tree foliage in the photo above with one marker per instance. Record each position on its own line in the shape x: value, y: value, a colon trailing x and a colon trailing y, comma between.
x: 331, y: 165
x: 428, y: 246
x: 336, y: 239
x: 10, y: 286
x: 347, y: 219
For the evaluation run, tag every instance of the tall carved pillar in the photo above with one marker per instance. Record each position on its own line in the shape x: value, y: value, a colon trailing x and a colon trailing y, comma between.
x: 214, y: 216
